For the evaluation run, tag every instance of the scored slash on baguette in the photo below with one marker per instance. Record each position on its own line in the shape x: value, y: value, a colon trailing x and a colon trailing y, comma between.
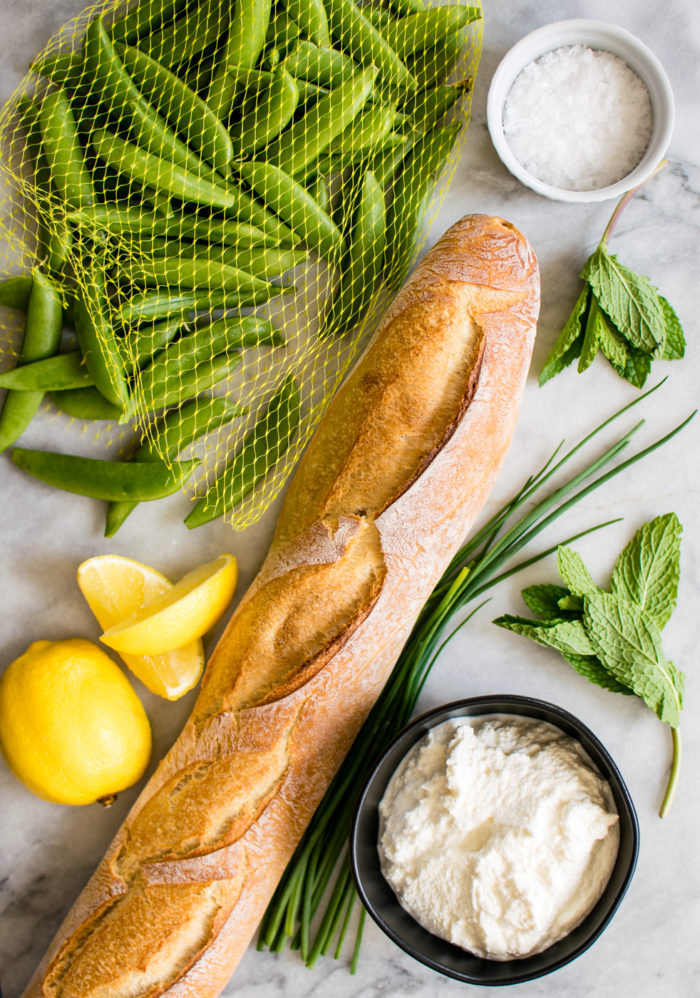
x: 396, y: 473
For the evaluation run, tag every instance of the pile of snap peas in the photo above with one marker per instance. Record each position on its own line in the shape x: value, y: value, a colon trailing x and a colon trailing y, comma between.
x: 187, y: 156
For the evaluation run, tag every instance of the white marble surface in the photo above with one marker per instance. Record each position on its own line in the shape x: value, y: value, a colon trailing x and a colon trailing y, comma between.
x: 651, y: 948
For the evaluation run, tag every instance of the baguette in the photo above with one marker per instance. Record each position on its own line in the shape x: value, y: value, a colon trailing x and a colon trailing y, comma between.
x: 393, y: 478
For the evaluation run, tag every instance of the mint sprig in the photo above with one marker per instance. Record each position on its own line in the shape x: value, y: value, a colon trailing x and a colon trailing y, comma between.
x: 619, y: 313
x: 614, y: 638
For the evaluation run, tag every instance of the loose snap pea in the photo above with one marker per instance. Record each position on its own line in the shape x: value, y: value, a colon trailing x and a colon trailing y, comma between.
x: 358, y: 36
x: 160, y: 381
x: 182, y: 107
x: 244, y: 44
x: 65, y: 370
x: 178, y: 429
x: 269, y: 117
x: 326, y: 67
x: 262, y: 448
x: 294, y: 205
x: 431, y: 27
x: 308, y: 137
x: 61, y: 146
x: 312, y: 18
x: 145, y: 18
x: 362, y: 266
x: 42, y: 337
x: 14, y: 292
x: 425, y: 110
x: 111, y: 480
x: 85, y: 403
x: 164, y: 176
x: 99, y: 343
x: 412, y: 190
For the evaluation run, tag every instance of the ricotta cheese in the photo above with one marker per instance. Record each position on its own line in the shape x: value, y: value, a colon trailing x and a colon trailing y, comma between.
x: 498, y: 834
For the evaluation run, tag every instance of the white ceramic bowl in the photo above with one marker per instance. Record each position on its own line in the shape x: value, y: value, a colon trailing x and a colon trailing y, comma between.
x: 595, y: 35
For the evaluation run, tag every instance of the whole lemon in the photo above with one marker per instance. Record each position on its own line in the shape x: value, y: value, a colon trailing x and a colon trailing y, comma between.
x: 71, y: 727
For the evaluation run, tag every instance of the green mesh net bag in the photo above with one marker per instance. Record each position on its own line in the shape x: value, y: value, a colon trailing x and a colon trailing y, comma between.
x: 224, y: 197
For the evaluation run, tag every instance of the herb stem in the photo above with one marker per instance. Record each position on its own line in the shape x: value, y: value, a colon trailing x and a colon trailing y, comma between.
x: 623, y: 202
x: 674, y: 774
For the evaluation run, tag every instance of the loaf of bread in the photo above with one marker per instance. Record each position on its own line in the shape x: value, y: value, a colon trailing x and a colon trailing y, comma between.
x: 393, y: 478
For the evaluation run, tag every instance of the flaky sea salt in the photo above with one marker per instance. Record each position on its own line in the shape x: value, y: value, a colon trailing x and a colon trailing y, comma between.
x: 578, y: 118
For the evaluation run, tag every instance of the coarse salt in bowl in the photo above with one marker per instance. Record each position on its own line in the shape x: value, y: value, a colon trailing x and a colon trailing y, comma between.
x: 601, y: 116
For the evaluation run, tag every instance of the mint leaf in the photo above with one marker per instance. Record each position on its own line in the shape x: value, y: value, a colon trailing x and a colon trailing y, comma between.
x: 566, y: 636
x: 638, y: 367
x: 568, y: 344
x: 674, y: 343
x: 648, y: 569
x: 630, y: 299
x: 589, y: 346
x: 612, y: 345
x: 544, y: 600
x: 628, y: 643
x: 571, y: 604
x: 574, y: 572
x: 593, y: 669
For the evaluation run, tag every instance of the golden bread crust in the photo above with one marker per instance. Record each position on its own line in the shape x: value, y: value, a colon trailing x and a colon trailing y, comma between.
x: 392, y: 480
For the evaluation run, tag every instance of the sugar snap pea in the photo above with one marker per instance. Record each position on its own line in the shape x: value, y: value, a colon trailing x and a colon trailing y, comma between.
x: 433, y: 65
x: 42, y: 337
x: 85, y: 403
x: 111, y: 87
x: 356, y: 34
x: 61, y: 146
x: 259, y: 261
x: 62, y: 68
x: 362, y: 267
x: 318, y: 189
x: 312, y: 18
x: 201, y: 25
x: 427, y: 108
x: 308, y: 137
x: 111, y: 480
x: 368, y: 129
x: 408, y: 6
x: 145, y: 18
x: 181, y: 106
x: 132, y: 223
x: 386, y: 161
x: 282, y: 33
x: 139, y: 345
x: 192, y: 382
x: 160, y: 381
x: 294, y: 205
x: 178, y: 429
x: 150, y: 170
x: 188, y: 272
x: 269, y: 117
x: 64, y: 370
x: 431, y: 27
x: 151, y: 306
x: 412, y: 190
x: 14, y: 292
x: 99, y: 343
x: 262, y: 448
x: 245, y: 42
x: 326, y: 67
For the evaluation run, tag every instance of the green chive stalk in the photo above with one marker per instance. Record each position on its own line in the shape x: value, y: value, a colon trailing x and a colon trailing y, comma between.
x: 483, y: 561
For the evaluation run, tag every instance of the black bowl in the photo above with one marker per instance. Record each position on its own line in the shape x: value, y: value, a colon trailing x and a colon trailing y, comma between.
x: 436, y: 953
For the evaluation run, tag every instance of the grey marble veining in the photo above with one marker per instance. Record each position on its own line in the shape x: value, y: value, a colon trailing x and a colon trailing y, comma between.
x: 47, y: 852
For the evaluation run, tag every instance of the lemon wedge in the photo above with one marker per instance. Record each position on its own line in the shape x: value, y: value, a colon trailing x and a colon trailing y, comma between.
x: 115, y: 588
x: 178, y: 615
